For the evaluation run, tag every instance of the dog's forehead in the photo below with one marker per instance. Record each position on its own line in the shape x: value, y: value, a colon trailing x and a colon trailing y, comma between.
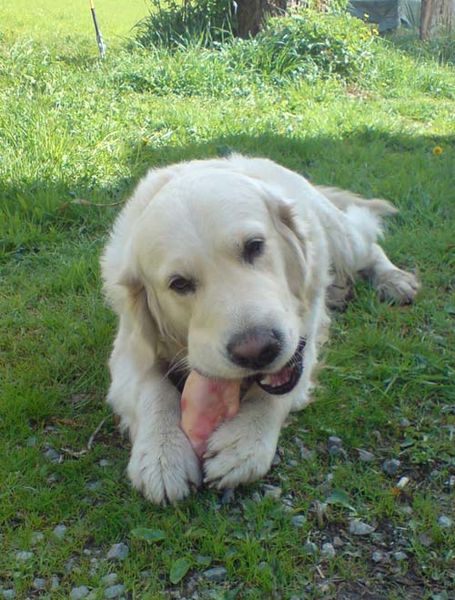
x: 203, y: 206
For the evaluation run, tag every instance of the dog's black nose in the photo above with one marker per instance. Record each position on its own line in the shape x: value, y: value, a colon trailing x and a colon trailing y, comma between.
x: 255, y: 348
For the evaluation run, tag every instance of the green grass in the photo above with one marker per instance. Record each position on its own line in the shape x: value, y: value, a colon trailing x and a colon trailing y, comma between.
x: 72, y: 128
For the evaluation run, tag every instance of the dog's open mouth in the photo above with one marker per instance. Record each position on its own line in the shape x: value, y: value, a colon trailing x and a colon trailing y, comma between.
x: 284, y: 380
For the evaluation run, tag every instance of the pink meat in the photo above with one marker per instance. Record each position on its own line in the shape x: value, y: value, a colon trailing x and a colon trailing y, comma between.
x: 205, y: 404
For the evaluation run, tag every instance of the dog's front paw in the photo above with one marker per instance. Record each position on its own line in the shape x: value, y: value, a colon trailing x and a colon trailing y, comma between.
x: 397, y: 286
x: 238, y: 453
x: 164, y: 466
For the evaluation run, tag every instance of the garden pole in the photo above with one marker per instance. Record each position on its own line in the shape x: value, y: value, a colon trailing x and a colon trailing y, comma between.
x: 99, y: 37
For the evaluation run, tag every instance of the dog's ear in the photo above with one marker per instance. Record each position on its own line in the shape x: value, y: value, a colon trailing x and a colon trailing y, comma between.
x: 294, y: 239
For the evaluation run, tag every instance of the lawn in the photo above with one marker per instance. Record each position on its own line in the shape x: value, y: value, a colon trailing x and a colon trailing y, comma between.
x: 77, y: 133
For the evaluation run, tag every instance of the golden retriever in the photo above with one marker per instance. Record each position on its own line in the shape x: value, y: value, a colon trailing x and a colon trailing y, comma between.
x: 224, y: 267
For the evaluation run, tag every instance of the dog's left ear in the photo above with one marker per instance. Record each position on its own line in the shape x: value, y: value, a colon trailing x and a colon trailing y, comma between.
x: 296, y: 243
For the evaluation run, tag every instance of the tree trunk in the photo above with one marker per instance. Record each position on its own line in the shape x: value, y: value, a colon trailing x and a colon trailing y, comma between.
x: 436, y: 15
x: 251, y: 14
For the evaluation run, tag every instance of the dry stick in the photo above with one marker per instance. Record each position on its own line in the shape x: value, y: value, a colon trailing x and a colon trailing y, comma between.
x: 79, y: 453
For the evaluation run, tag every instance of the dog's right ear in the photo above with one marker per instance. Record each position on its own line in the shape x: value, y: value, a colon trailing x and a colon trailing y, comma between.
x: 136, y: 308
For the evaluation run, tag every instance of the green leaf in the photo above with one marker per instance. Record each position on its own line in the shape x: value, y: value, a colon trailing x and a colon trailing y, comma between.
x: 340, y: 497
x: 148, y: 535
x: 179, y: 569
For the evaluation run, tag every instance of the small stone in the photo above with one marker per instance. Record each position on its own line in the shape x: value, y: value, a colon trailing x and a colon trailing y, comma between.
x: 391, y: 466
x: 77, y: 593
x: 87, y: 552
x: 425, y: 539
x: 328, y: 551
x: 8, y: 594
x: 39, y: 583
x: 404, y: 423
x: 24, y: 555
x: 334, y: 441
x: 114, y: 591
x: 215, y: 574
x: 357, y: 527
x: 298, y: 520
x: 402, y: 483
x: 109, y: 579
x: 227, y: 496
x: 55, y: 582
x: 53, y: 477
x: 338, y: 542
x: 276, y: 460
x: 146, y: 574
x: 118, y: 552
x: 59, y: 531
x: 310, y: 548
x: 104, y: 462
x: 52, y: 455
x: 31, y: 441
x: 306, y: 454
x: 70, y: 565
x: 292, y: 462
x: 445, y: 522
x: 400, y: 556
x: 377, y: 556
x: 338, y: 451
x: 93, y: 486
x: 37, y: 537
x: 365, y: 456
x: 272, y: 491
x: 256, y: 497
x: 407, y: 510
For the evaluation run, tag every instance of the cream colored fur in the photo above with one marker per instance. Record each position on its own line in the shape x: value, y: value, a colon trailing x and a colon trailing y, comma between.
x: 191, y: 219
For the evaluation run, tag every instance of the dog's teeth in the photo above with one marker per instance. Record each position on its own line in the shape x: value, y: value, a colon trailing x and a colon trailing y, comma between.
x: 267, y: 380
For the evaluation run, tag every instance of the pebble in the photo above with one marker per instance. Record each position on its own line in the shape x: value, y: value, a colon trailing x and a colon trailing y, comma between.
x: 338, y: 542
x: 272, y: 491
x: 24, y: 555
x: 405, y: 422
x: 400, y: 556
x: 445, y: 522
x: 227, y: 496
x: 104, y: 462
x: 391, y: 466
x: 216, y: 574
x: 292, y: 462
x: 118, y: 552
x: 70, y: 564
x: 109, y: 579
x: 52, y: 455
x: 310, y: 548
x: 114, y: 591
x: 8, y: 594
x: 328, y: 551
x: 55, y: 582
x: 365, y: 456
x: 306, y: 454
x: 298, y: 520
x: 407, y: 510
x: 377, y: 556
x: 402, y: 483
x: 334, y: 441
x: 31, y: 441
x: 276, y: 460
x: 146, y: 574
x: 37, y: 536
x: 59, y: 531
x: 39, y: 583
x: 425, y: 539
x: 93, y: 486
x: 357, y: 527
x: 77, y: 593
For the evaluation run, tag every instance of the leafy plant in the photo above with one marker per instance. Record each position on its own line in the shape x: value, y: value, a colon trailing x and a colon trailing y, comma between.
x: 175, y: 24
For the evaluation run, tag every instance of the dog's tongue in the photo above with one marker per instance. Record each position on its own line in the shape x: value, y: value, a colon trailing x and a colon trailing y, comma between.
x: 205, y: 404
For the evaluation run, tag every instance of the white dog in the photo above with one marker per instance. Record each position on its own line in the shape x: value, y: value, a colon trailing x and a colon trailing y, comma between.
x: 224, y: 267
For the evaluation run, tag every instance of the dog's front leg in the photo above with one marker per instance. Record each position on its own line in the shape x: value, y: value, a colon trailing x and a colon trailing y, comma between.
x: 242, y: 449
x: 163, y: 465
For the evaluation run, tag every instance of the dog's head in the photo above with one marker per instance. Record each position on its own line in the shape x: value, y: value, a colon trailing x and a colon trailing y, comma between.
x: 219, y: 267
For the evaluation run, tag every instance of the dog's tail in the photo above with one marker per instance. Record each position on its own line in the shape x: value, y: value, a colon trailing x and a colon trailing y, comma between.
x: 343, y: 199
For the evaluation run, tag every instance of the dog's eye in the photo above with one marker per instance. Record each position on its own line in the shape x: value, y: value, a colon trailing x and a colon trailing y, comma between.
x: 252, y: 249
x: 182, y: 286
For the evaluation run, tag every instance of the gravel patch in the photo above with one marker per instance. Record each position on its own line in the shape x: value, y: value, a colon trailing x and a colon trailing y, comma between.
x: 114, y: 591
x: 77, y: 593
x: 357, y: 527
